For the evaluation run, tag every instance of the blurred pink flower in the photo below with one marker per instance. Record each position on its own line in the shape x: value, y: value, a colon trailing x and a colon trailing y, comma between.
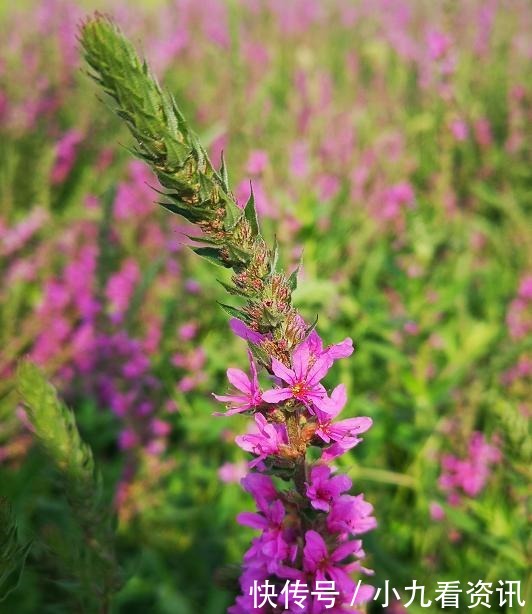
x: 233, y: 472
x: 460, y: 129
x: 65, y: 155
x: 257, y: 162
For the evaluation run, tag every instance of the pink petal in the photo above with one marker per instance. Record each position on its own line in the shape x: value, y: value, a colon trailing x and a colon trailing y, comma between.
x: 253, y: 369
x: 242, y: 330
x: 332, y: 452
x: 250, y: 519
x: 324, y: 404
x: 315, y: 548
x: 276, y: 395
x: 232, y: 411
x: 300, y: 360
x: 341, y: 350
x: 321, y: 433
x: 239, y: 379
x: 339, y: 395
x: 345, y: 550
x: 314, y: 343
x: 228, y: 398
x: 318, y: 371
x: 352, y: 426
x: 283, y: 372
x: 341, y: 483
x: 319, y: 473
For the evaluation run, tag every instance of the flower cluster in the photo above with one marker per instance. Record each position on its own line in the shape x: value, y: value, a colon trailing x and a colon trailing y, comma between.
x: 469, y: 475
x: 518, y: 317
x: 309, y: 531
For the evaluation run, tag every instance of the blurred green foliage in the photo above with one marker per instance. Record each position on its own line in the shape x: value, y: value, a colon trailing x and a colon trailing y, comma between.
x: 425, y: 293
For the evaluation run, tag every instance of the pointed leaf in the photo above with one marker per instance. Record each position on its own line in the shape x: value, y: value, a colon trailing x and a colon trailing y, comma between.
x: 224, y: 174
x: 233, y: 311
x: 211, y: 254
x: 312, y: 326
x: 251, y: 213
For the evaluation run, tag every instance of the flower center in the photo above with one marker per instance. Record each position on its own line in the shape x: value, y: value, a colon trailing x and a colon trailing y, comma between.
x: 298, y: 389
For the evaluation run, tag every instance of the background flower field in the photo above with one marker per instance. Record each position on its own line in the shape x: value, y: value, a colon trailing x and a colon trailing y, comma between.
x: 387, y: 146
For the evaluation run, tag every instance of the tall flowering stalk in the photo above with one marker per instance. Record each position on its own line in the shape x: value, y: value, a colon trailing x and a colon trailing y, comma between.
x: 308, y: 547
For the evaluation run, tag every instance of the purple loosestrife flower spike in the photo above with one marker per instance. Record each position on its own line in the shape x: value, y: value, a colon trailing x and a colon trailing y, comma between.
x: 305, y: 519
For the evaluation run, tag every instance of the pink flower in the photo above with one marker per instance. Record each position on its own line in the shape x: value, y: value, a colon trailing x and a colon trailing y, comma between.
x: 244, y: 332
x: 299, y: 161
x: 261, y: 487
x: 328, y: 566
x: 267, y: 441
x: 483, y: 132
x: 351, y: 515
x: 525, y: 288
x: 438, y: 44
x: 16, y: 237
x: 436, y: 511
x: 470, y: 474
x: 127, y: 439
x: 232, y: 472
x: 304, y: 381
x: 120, y: 288
x: 188, y: 331
x: 343, y: 433
x: 327, y: 186
x: 66, y: 149
x: 271, y: 517
x: 323, y: 488
x: 273, y: 546
x: 249, y: 388
x: 459, y: 129
x: 159, y: 428
x: 314, y: 344
x: 411, y: 328
x: 257, y: 162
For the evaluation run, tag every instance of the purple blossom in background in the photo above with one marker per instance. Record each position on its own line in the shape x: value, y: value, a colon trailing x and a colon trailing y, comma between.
x: 232, y: 472
x: 65, y: 155
x: 468, y: 476
x: 519, y: 314
x: 257, y: 162
x: 120, y: 287
x: 15, y: 238
x: 264, y: 207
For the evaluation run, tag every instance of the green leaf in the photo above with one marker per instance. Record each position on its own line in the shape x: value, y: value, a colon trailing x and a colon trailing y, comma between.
x: 292, y: 279
x: 251, y: 213
x: 55, y: 427
x: 224, y: 175
x: 211, y: 254
x: 275, y: 255
x: 312, y: 326
x: 229, y: 288
x: 189, y: 213
x: 233, y: 311
x: 233, y: 214
x: 12, y: 554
